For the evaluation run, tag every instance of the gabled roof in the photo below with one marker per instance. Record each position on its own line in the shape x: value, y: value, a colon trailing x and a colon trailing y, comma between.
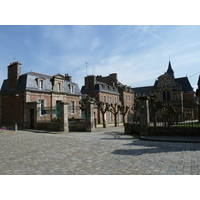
x: 184, y: 82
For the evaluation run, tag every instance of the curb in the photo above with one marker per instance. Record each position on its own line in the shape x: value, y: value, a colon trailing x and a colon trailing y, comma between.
x: 171, y: 139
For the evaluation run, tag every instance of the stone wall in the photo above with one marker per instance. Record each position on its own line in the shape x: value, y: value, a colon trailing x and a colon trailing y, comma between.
x: 78, y: 125
x: 52, y: 126
x: 174, y: 131
x: 132, y: 129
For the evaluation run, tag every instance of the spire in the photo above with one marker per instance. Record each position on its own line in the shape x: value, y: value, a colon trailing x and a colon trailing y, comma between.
x: 170, y: 70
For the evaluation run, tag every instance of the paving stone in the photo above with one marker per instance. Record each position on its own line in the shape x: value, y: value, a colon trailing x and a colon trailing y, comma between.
x: 100, y: 152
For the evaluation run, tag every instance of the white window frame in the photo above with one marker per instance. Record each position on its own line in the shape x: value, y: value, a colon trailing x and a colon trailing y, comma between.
x: 42, y: 103
x: 73, y: 107
x: 59, y: 87
x: 41, y: 84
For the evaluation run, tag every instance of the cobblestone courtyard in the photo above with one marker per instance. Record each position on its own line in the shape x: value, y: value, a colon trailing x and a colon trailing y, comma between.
x: 106, y: 151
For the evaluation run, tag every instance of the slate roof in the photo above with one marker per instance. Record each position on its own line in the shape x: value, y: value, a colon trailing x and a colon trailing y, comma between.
x: 28, y: 82
x: 184, y: 82
x: 102, y: 87
x: 142, y: 91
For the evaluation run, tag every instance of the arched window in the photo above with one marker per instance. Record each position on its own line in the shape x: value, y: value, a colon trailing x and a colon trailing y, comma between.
x: 166, y: 95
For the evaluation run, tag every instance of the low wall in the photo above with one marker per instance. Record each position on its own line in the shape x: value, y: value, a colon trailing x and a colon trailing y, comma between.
x: 132, y: 129
x: 51, y: 126
x: 77, y: 125
x: 174, y: 131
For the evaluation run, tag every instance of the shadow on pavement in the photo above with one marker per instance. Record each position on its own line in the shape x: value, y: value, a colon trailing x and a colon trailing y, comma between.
x: 152, y: 147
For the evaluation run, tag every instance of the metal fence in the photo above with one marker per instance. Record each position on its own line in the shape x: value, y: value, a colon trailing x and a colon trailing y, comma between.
x: 52, y: 114
x: 183, y: 114
x: 48, y: 114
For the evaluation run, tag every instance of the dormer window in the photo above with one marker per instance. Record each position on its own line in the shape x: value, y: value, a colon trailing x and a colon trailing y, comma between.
x: 71, y: 88
x: 41, y: 84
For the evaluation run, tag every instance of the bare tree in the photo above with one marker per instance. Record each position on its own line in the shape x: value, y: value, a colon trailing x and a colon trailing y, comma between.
x: 124, y: 110
x: 154, y: 106
x: 103, y: 107
x: 114, y: 109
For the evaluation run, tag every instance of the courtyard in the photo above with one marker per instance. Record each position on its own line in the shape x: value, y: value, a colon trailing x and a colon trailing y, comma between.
x: 103, y: 152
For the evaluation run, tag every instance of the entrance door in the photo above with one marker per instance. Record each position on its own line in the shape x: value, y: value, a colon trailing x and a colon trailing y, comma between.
x: 58, y: 109
x: 32, y: 118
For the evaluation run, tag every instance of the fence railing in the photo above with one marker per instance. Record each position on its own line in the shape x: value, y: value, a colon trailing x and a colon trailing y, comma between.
x: 182, y: 114
x: 52, y: 114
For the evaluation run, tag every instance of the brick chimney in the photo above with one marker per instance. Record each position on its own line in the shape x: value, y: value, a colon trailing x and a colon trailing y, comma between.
x: 14, y: 71
x: 113, y: 78
x: 90, y: 81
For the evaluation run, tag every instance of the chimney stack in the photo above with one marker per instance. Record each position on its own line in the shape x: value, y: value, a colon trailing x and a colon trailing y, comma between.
x: 14, y: 71
x: 90, y: 82
x: 68, y: 78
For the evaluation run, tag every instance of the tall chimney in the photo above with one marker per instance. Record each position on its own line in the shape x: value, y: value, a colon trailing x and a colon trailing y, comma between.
x: 14, y: 71
x: 90, y: 82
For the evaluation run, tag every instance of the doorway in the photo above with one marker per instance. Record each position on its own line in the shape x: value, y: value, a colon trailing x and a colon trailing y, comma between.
x: 58, y: 109
x: 32, y: 118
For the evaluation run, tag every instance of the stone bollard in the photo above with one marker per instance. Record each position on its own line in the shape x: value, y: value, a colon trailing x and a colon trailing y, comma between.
x: 15, y: 127
x: 64, y: 123
x: 144, y: 115
x: 90, y: 118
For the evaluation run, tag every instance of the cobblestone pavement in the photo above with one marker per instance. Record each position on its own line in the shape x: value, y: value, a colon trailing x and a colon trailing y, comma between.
x: 106, y: 151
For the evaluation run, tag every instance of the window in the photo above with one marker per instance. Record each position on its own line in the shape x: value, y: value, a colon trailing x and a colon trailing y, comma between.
x: 72, y: 107
x: 104, y: 99
x: 41, y: 84
x: 166, y: 95
x: 59, y: 87
x: 71, y: 88
x: 41, y: 107
x: 115, y: 99
x: 58, y: 109
x: 110, y: 99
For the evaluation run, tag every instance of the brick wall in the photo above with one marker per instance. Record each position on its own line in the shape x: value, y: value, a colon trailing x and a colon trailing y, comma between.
x: 12, y: 110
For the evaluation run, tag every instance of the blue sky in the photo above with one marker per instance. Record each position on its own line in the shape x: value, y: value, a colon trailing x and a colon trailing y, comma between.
x: 137, y: 53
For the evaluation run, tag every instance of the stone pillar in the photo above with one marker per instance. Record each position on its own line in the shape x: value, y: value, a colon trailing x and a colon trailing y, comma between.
x: 144, y: 115
x: 28, y: 119
x: 64, y: 124
x: 90, y: 124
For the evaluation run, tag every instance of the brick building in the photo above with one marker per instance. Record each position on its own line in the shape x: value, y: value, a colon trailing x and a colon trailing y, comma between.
x: 109, y: 90
x: 19, y: 90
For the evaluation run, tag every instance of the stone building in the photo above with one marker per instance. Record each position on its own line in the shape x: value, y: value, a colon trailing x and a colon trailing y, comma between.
x: 18, y: 91
x: 109, y: 90
x: 168, y: 89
